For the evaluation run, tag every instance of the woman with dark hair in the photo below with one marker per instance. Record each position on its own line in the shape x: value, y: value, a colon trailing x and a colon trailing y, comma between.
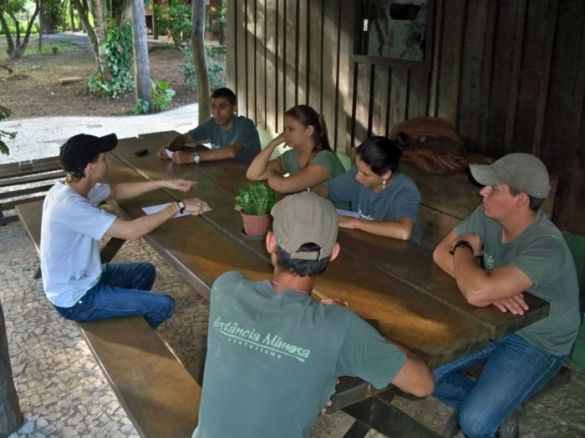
x: 310, y: 161
x: 385, y: 202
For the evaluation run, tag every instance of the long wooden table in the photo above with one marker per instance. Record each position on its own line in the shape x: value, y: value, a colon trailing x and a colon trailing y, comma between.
x: 393, y: 284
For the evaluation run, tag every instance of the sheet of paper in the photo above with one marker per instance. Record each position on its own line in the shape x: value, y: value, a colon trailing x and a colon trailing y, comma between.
x: 349, y: 213
x: 156, y: 208
x: 169, y: 153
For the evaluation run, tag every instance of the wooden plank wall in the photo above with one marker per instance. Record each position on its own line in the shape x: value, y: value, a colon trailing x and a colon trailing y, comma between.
x: 510, y: 74
x: 287, y: 52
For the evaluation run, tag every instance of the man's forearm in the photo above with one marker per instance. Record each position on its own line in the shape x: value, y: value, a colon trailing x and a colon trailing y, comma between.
x: 132, y: 189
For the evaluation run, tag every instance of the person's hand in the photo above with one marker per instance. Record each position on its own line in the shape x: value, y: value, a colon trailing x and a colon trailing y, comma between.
x: 334, y: 301
x: 196, y: 206
x: 279, y: 139
x: 177, y: 143
x: 345, y: 221
x: 162, y: 153
x: 515, y: 304
x: 182, y: 185
x: 329, y: 403
x: 182, y: 157
x: 473, y: 239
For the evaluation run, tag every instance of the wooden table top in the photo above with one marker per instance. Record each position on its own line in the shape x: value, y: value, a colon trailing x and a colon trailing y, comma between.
x: 391, y: 283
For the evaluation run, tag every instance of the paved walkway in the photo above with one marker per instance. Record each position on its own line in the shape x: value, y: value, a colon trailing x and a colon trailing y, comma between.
x: 41, y: 137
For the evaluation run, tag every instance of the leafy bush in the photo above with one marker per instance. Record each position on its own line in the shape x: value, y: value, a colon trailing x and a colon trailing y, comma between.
x: 255, y: 199
x: 176, y: 18
x: 161, y: 95
x: 215, y: 56
x: 119, y: 55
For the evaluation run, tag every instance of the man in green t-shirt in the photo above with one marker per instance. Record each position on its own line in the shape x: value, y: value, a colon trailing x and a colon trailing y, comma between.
x: 274, y: 354
x: 227, y: 135
x: 521, y: 251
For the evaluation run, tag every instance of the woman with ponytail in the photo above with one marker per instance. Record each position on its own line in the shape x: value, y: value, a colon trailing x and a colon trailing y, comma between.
x: 384, y: 202
x: 310, y: 161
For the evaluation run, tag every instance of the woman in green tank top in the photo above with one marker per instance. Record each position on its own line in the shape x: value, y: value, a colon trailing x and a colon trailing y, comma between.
x: 309, y: 163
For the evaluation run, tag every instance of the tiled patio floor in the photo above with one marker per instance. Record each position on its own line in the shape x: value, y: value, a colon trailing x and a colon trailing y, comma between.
x: 63, y: 393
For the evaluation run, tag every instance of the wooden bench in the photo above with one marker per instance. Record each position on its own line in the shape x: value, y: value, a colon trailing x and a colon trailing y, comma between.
x: 159, y: 395
x: 26, y: 181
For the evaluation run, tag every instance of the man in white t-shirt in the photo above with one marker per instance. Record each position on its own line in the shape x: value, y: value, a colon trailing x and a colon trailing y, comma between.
x: 74, y: 279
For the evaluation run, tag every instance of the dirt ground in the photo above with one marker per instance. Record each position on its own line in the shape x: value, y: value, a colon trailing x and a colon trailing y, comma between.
x: 33, y: 88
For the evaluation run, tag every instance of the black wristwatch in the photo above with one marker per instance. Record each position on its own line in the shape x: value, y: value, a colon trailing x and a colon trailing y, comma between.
x: 461, y: 244
x: 182, y: 206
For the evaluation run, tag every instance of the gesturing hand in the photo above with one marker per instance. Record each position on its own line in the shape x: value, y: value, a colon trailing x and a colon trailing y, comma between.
x: 196, y: 206
x: 182, y: 185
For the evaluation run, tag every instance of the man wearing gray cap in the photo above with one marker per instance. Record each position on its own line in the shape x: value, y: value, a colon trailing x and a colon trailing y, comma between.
x: 74, y: 279
x: 273, y: 353
x: 522, y: 251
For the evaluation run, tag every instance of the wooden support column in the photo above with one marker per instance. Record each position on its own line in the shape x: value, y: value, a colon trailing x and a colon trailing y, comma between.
x: 10, y: 415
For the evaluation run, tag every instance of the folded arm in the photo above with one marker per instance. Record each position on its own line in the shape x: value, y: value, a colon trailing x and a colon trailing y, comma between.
x: 398, y: 229
x: 258, y: 169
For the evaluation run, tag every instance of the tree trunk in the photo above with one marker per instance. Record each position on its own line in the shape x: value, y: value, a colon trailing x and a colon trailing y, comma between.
x: 140, y: 44
x: 16, y: 49
x: 10, y: 415
x: 198, y: 47
x: 72, y: 16
x: 100, y: 28
x: 101, y: 61
x: 9, y: 40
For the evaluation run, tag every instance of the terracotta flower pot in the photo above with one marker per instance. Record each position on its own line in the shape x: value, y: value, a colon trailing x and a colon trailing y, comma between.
x: 256, y: 225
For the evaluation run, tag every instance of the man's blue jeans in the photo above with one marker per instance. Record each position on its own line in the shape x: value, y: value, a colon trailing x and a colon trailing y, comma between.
x: 123, y: 290
x: 514, y: 370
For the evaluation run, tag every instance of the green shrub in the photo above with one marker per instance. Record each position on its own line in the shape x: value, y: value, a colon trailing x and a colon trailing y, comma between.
x: 176, y: 18
x: 161, y: 95
x: 119, y: 55
x: 215, y: 56
x: 4, y: 113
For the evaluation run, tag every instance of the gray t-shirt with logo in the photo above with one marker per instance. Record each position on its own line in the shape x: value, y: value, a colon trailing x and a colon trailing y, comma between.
x: 273, y: 359
x: 400, y: 200
x: 543, y: 255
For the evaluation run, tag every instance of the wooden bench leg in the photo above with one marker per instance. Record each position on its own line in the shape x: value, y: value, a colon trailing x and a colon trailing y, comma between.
x: 111, y: 248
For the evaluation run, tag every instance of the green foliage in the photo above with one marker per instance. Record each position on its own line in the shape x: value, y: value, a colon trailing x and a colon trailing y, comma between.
x: 215, y: 56
x: 161, y: 95
x: 4, y: 113
x: 53, y: 10
x: 176, y: 18
x: 255, y: 199
x: 119, y: 55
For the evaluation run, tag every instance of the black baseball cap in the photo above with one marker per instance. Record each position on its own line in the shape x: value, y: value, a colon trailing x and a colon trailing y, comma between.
x: 82, y: 149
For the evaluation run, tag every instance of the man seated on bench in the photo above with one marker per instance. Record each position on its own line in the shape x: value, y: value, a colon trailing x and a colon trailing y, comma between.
x: 74, y: 280
x: 521, y: 251
x: 274, y: 354
x: 230, y: 136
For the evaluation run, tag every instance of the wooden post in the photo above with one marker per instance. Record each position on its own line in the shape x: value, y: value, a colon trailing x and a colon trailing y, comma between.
x: 141, y: 64
x: 10, y: 415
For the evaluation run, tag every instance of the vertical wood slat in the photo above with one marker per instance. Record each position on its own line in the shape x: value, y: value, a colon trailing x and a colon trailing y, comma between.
x: 271, y: 66
x: 517, y: 56
x: 453, y: 19
x: 251, y: 56
x: 315, y: 50
x: 260, y: 64
x: 436, y: 60
x: 362, y: 103
x: 302, y: 51
x: 343, y: 106
x: 380, y: 102
x: 231, y: 47
x: 241, y: 58
x: 398, y: 95
x: 330, y: 65
x: 281, y: 63
x: 486, y: 77
x: 291, y: 54
x: 468, y: 120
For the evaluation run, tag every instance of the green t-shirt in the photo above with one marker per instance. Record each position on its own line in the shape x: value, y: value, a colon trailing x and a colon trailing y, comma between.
x: 543, y: 255
x: 273, y: 359
x: 290, y: 162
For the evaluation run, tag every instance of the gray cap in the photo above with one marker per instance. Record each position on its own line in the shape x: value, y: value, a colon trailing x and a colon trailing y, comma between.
x: 305, y: 218
x: 523, y: 172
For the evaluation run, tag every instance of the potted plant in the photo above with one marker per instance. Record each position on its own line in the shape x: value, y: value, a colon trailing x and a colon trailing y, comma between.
x: 254, y: 202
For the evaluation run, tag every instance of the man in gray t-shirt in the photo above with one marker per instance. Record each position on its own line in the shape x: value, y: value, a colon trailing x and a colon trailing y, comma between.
x: 521, y: 250
x: 228, y: 135
x: 274, y: 354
